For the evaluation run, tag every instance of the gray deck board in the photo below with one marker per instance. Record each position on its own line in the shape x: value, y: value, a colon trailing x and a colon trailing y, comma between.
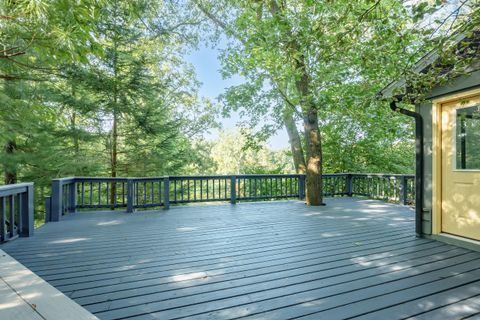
x: 273, y: 260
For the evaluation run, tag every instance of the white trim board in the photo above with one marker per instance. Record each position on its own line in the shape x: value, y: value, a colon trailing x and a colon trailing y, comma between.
x: 24, y: 295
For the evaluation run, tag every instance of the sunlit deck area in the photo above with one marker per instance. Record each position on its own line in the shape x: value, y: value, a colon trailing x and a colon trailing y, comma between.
x: 353, y: 258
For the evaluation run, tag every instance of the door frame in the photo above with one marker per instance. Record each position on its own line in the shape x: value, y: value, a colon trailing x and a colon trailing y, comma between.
x: 437, y: 154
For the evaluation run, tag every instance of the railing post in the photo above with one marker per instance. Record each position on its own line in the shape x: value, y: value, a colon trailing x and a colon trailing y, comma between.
x: 129, y: 195
x: 72, y: 197
x: 26, y: 214
x: 48, y: 209
x: 349, y: 184
x: 3, y: 229
x: 301, y: 187
x: 57, y: 200
x: 403, y: 190
x: 233, y: 189
x: 166, y: 193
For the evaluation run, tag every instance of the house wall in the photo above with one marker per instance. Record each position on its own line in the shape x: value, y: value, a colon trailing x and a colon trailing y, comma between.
x: 463, y: 83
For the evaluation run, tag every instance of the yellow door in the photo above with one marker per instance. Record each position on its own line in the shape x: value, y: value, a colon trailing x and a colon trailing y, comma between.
x: 461, y: 168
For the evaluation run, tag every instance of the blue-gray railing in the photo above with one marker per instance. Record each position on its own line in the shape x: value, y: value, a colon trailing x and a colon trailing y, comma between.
x: 16, y: 211
x: 87, y: 193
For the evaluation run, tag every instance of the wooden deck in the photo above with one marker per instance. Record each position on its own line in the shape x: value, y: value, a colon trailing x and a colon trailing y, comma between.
x: 272, y: 260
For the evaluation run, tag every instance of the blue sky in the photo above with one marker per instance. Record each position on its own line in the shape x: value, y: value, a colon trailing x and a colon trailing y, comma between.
x: 205, y: 60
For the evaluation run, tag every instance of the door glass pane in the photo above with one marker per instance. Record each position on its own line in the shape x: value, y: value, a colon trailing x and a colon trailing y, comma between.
x: 468, y: 138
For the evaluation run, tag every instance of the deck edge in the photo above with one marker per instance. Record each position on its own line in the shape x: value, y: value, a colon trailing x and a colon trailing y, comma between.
x: 41, y: 297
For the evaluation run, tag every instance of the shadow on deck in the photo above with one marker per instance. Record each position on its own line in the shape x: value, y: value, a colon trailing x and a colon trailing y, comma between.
x: 272, y: 260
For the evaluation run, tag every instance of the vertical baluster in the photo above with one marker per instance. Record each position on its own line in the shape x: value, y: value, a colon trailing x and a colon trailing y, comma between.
x: 276, y: 186
x: 136, y: 188
x: 225, y: 188
x: 181, y: 189
x: 380, y: 183
x: 245, y: 187
x: 91, y: 193
x: 325, y: 186
x: 389, y: 181
x: 291, y: 190
x: 262, y: 187
x: 334, y: 185
x: 115, y: 195
x: 175, y: 191
x: 123, y: 193
x: 99, y: 193
x: 233, y: 190
x: 20, y: 203
x: 329, y: 188
x: 388, y: 187
x: 107, y: 197
x: 290, y: 187
x: 64, y: 199
x: 271, y: 186
x: 295, y: 187
x: 188, y: 189
x: 259, y: 188
x: 384, y: 188
x: 194, y: 189
x: 152, y: 193
x: 11, y: 204
x: 214, y: 188
x: 369, y: 182
x: 159, y: 192
x: 201, y: 188
x: 378, y: 186
x: 83, y: 193
x: 144, y: 193
x: 166, y: 192
x: 207, y: 190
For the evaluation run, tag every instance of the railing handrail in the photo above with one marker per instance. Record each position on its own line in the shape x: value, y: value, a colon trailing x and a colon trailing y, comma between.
x: 10, y: 189
x: 382, y: 175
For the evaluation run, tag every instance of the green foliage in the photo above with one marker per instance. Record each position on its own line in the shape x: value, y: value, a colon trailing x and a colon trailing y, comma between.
x: 352, y: 50
x: 229, y: 154
x: 70, y: 69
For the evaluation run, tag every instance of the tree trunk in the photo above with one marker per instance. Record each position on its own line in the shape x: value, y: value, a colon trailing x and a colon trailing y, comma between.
x: 114, y: 146
x: 314, y: 184
x: 73, y: 123
x: 114, y: 162
x: 10, y: 167
x: 314, y: 194
x: 295, y: 142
